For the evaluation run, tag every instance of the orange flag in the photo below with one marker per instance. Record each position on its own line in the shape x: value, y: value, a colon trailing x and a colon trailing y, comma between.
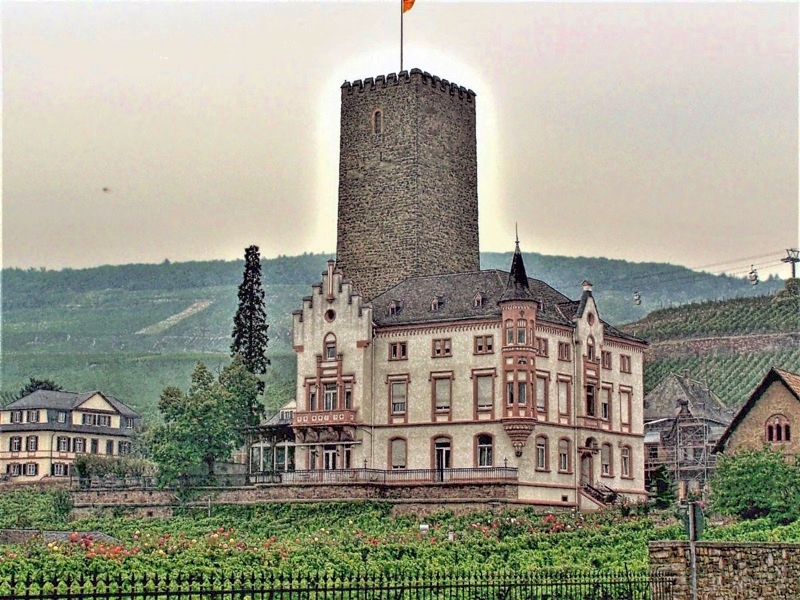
x: 407, y: 4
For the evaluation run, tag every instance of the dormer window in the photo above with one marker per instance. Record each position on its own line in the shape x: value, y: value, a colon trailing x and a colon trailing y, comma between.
x: 437, y: 303
x: 395, y: 307
x: 377, y: 122
x: 478, y: 300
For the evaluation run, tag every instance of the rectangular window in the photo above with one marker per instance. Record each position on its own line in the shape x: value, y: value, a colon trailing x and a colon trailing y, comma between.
x: 15, y: 444
x: 605, y: 404
x: 312, y: 397
x: 605, y: 359
x: 129, y: 422
x: 32, y: 443
x: 330, y: 396
x: 63, y: 444
x: 484, y: 344
x: 442, y: 392
x: 61, y: 417
x: 563, y: 397
x: 522, y: 392
x: 509, y: 390
x: 109, y: 447
x: 79, y: 445
x: 398, y: 351
x: 15, y: 469
x: 541, y: 346
x: 31, y: 469
x: 652, y: 452
x: 541, y: 394
x: 485, y: 451
x: 509, y: 332
x: 625, y: 407
x: 624, y: 363
x: 442, y: 348
x: 33, y: 416
x: 123, y: 448
x: 590, y: 400
x: 484, y: 392
x: 59, y: 469
x: 398, y: 454
x: 16, y: 416
x: 96, y: 420
x: 348, y: 395
x: 399, y: 390
x: 626, y: 461
x: 564, y: 351
x: 95, y: 446
x: 521, y: 332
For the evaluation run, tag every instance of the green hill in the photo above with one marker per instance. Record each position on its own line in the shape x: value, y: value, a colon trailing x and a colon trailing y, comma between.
x: 131, y: 330
x: 730, y: 345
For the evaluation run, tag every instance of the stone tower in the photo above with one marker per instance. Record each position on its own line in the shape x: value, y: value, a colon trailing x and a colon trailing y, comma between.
x: 408, y: 180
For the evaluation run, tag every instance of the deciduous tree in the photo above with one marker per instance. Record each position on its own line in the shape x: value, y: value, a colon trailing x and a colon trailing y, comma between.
x: 751, y: 484
x: 205, y: 424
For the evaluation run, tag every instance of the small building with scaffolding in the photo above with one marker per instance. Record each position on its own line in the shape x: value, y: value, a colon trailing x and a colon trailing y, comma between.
x: 684, y: 419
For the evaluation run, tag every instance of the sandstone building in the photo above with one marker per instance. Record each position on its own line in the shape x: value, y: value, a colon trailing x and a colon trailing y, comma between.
x: 767, y: 417
x: 415, y: 366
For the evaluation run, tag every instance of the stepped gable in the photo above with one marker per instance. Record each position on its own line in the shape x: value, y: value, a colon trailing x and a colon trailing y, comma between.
x: 457, y: 294
x: 703, y: 403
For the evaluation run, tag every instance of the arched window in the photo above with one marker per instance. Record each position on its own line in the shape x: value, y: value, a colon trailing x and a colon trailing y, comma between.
x: 377, y: 122
x: 564, y: 465
x: 478, y: 300
x: 441, y: 453
x: 397, y: 448
x: 590, y: 351
x: 605, y: 460
x: 330, y: 347
x: 484, y: 445
x: 778, y: 429
x: 542, y: 453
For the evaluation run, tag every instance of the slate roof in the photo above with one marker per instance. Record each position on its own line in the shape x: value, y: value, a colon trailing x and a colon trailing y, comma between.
x: 48, y: 399
x: 790, y: 380
x: 517, y: 284
x: 662, y: 401
x: 458, y: 291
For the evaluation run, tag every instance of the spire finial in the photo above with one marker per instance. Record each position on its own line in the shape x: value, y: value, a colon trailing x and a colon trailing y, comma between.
x: 516, y: 234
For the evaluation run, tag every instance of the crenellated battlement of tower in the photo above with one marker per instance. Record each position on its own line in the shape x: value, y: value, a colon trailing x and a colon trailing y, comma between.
x: 405, y: 77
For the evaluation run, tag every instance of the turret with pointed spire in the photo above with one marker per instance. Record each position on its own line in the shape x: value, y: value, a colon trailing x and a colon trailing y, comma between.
x: 517, y: 287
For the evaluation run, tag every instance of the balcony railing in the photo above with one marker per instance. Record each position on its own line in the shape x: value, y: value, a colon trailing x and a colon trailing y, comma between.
x: 393, y: 477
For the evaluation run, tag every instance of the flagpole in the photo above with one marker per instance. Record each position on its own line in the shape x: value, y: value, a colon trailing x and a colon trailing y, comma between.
x: 401, y: 35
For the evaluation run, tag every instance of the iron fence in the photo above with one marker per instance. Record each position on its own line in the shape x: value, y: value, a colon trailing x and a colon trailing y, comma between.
x: 534, y: 585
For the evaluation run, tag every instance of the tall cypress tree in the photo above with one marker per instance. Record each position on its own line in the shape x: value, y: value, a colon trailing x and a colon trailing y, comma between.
x: 250, y: 322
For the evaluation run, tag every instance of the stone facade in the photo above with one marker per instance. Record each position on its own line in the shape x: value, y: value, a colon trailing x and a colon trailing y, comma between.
x: 463, y: 381
x: 408, y: 194
x: 768, y: 417
x: 731, y: 570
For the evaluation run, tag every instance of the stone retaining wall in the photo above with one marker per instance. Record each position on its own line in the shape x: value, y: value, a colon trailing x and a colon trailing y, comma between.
x: 731, y: 570
x: 417, y: 499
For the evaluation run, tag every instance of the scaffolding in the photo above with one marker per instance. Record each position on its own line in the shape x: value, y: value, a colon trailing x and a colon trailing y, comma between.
x: 684, y: 446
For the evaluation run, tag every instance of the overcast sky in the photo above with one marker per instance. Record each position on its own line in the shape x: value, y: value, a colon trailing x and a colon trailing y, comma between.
x: 646, y: 131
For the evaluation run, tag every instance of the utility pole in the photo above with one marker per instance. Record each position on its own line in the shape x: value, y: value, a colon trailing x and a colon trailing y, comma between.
x: 793, y: 257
